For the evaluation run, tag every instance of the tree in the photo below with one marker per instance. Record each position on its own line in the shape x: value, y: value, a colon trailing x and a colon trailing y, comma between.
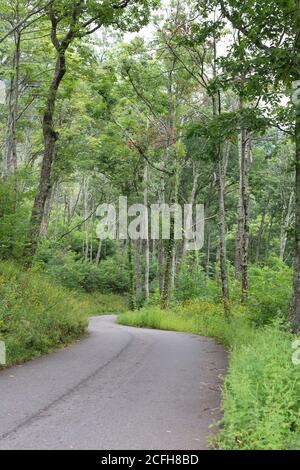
x: 271, y: 45
x: 70, y: 21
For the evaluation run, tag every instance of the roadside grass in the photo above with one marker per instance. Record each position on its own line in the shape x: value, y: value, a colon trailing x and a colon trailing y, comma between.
x: 99, y: 303
x: 38, y: 316
x: 261, y: 392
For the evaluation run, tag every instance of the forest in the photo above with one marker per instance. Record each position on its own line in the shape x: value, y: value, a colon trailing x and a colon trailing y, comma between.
x: 161, y: 102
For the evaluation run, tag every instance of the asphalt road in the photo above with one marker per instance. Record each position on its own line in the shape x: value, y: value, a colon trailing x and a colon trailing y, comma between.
x: 121, y: 388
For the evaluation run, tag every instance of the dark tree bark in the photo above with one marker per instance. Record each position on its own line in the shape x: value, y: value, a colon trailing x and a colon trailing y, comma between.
x: 50, y: 138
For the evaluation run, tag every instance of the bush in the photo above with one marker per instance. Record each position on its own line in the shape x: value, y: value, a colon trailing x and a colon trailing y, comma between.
x: 110, y: 276
x: 270, y: 291
x: 262, y: 395
x: 190, y: 282
x: 37, y: 315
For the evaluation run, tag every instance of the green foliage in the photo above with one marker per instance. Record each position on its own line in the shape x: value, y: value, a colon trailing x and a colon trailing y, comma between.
x: 270, y: 291
x: 262, y: 395
x: 37, y: 315
x: 191, y: 281
x: 109, y: 276
x: 269, y: 294
x: 14, y: 220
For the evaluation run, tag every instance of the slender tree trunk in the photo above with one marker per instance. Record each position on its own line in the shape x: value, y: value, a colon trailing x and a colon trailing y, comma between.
x: 73, y: 207
x: 222, y: 226
x: 241, y: 215
x: 208, y: 255
x: 196, y: 175
x: 132, y: 296
x: 269, y: 236
x: 87, y: 223
x: 259, y: 236
x: 242, y: 236
x: 47, y: 212
x: 146, y: 242
x: 170, y: 248
x: 10, y: 160
x: 98, y: 256
x: 286, y: 220
x: 138, y: 272
x: 218, y: 262
x: 295, y: 306
x: 57, y: 196
x: 161, y: 245
x: 245, y: 238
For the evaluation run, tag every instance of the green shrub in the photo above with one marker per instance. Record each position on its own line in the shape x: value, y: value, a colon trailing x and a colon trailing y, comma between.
x: 37, y: 315
x: 110, y: 276
x: 270, y: 291
x: 190, y: 282
x: 262, y: 394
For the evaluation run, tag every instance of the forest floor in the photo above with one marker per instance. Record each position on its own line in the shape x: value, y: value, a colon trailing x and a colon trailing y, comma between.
x: 120, y: 388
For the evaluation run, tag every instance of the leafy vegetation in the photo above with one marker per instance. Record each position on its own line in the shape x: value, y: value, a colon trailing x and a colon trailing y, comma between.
x: 202, y: 108
x: 37, y: 315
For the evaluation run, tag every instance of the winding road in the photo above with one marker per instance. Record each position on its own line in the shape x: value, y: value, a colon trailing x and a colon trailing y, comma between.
x: 120, y: 388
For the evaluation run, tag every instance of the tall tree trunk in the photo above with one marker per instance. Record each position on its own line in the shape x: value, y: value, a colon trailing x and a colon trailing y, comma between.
x: 260, y: 235
x: 138, y: 272
x: 223, y: 162
x: 242, y: 236
x: 196, y: 175
x: 208, y: 255
x: 146, y: 242
x: 10, y: 159
x: 286, y: 220
x: 269, y: 236
x: 98, y: 256
x: 170, y: 247
x: 47, y: 212
x: 132, y: 296
x: 50, y: 138
x: 161, y: 245
x: 295, y: 306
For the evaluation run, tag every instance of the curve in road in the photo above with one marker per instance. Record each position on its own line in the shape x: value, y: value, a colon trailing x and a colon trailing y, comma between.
x: 121, y: 388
